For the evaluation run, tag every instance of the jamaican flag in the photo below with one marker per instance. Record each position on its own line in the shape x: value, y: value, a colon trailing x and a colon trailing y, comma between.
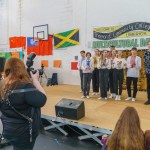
x: 66, y: 39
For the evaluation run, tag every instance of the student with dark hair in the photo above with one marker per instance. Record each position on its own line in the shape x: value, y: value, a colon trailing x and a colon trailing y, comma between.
x: 119, y: 64
x: 134, y: 66
x: 112, y: 47
x: 104, y: 65
x: 87, y: 67
x: 95, y: 76
x: 147, y: 69
x: 80, y: 69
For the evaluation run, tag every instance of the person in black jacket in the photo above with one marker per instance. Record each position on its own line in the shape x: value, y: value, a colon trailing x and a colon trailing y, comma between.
x: 18, y: 130
x: 147, y: 70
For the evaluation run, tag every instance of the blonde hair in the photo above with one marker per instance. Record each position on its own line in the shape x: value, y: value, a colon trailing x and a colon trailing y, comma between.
x: 127, y: 134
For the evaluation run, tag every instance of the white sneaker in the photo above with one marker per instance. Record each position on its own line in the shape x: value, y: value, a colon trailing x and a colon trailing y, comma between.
x: 116, y: 98
x: 87, y: 97
x: 111, y: 96
x: 119, y: 98
x: 133, y: 99
x: 114, y: 95
x: 129, y: 98
x: 83, y: 96
x: 105, y: 98
x: 100, y: 98
x: 96, y: 93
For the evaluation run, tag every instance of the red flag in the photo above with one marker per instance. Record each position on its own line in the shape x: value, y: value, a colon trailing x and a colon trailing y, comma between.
x: 45, y: 46
x: 41, y: 47
x: 32, y: 46
x: 16, y: 42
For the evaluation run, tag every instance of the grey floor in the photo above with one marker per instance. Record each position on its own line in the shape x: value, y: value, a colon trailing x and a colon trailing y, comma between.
x: 54, y: 140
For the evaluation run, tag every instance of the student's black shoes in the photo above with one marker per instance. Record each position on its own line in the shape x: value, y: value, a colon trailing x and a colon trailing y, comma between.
x: 147, y: 102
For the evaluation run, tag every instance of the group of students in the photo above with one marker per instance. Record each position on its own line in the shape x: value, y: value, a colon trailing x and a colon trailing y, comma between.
x: 106, y: 70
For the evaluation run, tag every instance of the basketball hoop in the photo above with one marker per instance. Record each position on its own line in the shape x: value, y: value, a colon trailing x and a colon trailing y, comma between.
x: 35, y: 39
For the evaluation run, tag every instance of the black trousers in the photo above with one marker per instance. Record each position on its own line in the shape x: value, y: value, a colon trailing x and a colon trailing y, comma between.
x: 81, y: 79
x: 103, y: 82
x: 129, y: 81
x: 21, y: 142
x: 148, y: 86
x: 111, y: 81
x: 95, y: 80
x: 86, y: 83
x: 118, y: 80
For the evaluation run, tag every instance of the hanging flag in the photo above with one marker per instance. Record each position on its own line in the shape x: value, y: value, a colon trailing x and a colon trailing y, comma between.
x: 66, y: 39
x: 45, y: 46
x: 16, y: 42
x: 7, y: 55
x: 15, y: 54
x: 41, y: 47
x: 32, y: 46
x: 2, y: 54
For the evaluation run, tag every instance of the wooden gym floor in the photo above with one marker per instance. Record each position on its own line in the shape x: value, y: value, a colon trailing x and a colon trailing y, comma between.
x: 103, y: 114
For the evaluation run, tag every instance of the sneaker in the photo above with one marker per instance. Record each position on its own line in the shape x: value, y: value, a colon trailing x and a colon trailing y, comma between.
x: 116, y: 98
x: 87, y: 97
x: 105, y: 98
x: 133, y: 99
x: 119, y: 98
x: 111, y: 96
x: 94, y: 93
x: 100, y: 98
x: 83, y: 96
x: 129, y: 98
x: 147, y: 102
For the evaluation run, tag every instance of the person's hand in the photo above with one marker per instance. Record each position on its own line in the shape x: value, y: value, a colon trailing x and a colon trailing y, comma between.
x: 104, y: 136
x: 34, y: 76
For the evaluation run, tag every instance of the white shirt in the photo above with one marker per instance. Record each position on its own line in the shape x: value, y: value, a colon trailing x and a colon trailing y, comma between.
x: 85, y: 66
x: 119, y: 63
x: 80, y: 62
x: 104, y: 64
x: 133, y: 72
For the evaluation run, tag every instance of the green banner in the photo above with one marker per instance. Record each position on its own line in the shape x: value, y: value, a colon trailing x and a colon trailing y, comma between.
x: 121, y: 43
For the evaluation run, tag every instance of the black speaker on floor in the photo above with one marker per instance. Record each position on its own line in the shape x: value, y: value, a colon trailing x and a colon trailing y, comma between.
x: 71, y: 109
x: 2, y: 63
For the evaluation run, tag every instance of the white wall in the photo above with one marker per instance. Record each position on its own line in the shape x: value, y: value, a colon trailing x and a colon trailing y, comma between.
x: 63, y: 15
x: 60, y: 15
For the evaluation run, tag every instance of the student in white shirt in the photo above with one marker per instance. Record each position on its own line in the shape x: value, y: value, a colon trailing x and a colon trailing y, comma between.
x: 87, y: 68
x: 104, y: 65
x: 79, y: 67
x: 134, y: 66
x: 119, y: 64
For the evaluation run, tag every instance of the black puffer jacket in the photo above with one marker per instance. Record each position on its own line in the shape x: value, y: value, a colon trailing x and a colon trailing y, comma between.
x: 14, y: 124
